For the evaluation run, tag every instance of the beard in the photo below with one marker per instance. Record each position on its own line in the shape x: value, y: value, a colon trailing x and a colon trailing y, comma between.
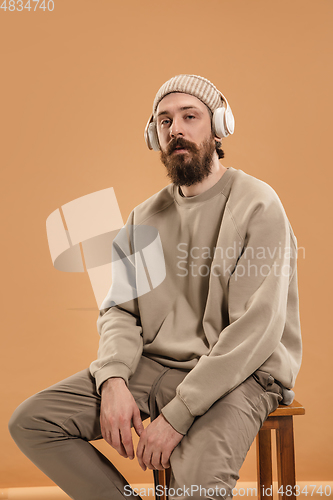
x: 191, y: 167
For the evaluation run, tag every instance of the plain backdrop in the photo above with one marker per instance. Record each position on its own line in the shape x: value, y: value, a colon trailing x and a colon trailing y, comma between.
x: 76, y: 90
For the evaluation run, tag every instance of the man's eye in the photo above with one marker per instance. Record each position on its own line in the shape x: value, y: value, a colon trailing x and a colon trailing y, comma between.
x: 165, y: 122
x: 190, y: 116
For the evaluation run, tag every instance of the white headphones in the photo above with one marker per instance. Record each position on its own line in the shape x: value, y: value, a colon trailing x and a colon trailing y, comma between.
x: 223, y: 124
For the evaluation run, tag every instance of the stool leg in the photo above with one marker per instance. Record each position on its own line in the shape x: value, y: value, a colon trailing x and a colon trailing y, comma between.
x: 167, y: 473
x: 264, y: 462
x: 286, y: 458
x: 160, y: 481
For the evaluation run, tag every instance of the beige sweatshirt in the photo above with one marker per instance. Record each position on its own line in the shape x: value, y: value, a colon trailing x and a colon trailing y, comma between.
x: 228, y: 303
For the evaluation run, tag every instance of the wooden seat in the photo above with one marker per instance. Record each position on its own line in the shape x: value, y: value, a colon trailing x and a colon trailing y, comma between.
x: 282, y: 421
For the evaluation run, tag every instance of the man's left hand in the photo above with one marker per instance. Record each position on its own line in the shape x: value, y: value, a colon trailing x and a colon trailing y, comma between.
x: 156, y: 444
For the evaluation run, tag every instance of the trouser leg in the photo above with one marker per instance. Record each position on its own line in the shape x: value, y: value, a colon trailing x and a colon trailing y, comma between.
x: 207, y: 461
x: 53, y: 429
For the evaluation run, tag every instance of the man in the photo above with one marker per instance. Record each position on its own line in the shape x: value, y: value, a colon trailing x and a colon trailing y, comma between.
x: 214, y: 348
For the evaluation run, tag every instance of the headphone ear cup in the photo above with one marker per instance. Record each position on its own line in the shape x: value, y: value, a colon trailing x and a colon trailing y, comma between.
x: 223, y: 122
x: 152, y: 137
x: 229, y: 120
x: 218, y: 123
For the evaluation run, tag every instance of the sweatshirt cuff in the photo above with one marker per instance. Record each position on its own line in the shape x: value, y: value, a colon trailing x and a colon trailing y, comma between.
x: 111, y: 370
x: 287, y: 396
x: 178, y: 415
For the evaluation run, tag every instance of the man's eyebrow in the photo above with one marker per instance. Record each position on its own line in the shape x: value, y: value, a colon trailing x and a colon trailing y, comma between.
x: 183, y: 108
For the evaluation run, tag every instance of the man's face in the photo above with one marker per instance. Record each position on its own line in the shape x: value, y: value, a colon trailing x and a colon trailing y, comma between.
x: 185, y: 135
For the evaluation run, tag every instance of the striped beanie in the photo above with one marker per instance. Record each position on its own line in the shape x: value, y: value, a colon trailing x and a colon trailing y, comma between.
x: 198, y: 86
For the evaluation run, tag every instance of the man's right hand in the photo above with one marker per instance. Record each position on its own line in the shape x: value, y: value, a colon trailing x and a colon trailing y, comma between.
x: 118, y: 409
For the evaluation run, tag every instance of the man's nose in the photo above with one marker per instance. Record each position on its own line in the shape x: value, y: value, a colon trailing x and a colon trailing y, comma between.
x: 176, y: 129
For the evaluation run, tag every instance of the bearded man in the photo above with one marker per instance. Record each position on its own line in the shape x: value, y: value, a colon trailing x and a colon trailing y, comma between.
x: 210, y: 351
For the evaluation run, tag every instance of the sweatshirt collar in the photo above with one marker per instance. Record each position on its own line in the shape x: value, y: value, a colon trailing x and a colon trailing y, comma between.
x: 190, y: 201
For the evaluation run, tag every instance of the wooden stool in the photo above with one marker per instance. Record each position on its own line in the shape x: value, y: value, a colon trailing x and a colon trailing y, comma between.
x: 282, y: 421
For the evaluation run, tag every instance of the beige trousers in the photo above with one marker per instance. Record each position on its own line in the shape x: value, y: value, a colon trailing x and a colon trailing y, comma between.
x: 53, y: 429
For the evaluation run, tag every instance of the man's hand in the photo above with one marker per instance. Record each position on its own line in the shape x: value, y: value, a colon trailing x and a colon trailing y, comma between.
x: 156, y: 444
x: 118, y: 409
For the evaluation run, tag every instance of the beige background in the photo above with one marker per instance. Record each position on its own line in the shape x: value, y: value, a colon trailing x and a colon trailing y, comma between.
x: 77, y: 86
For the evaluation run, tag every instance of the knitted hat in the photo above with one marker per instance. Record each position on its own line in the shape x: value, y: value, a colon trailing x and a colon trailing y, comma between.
x: 194, y: 85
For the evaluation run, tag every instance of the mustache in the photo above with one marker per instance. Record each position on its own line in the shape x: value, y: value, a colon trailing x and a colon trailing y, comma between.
x: 183, y: 143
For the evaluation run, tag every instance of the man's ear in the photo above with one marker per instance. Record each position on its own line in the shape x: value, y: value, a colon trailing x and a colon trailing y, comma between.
x: 215, y: 137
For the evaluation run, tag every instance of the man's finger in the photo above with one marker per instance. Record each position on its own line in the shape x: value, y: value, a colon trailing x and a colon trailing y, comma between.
x: 116, y: 442
x: 165, y: 460
x: 146, y: 457
x: 137, y: 423
x: 139, y: 453
x: 108, y: 438
x: 106, y: 434
x: 156, y: 461
x: 126, y: 439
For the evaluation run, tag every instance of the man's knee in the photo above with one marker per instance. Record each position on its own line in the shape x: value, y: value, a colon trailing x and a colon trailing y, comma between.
x: 22, y: 419
x: 34, y: 421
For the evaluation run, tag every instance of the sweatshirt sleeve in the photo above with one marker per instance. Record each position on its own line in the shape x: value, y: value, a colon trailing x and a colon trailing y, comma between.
x: 257, y: 294
x: 119, y: 324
